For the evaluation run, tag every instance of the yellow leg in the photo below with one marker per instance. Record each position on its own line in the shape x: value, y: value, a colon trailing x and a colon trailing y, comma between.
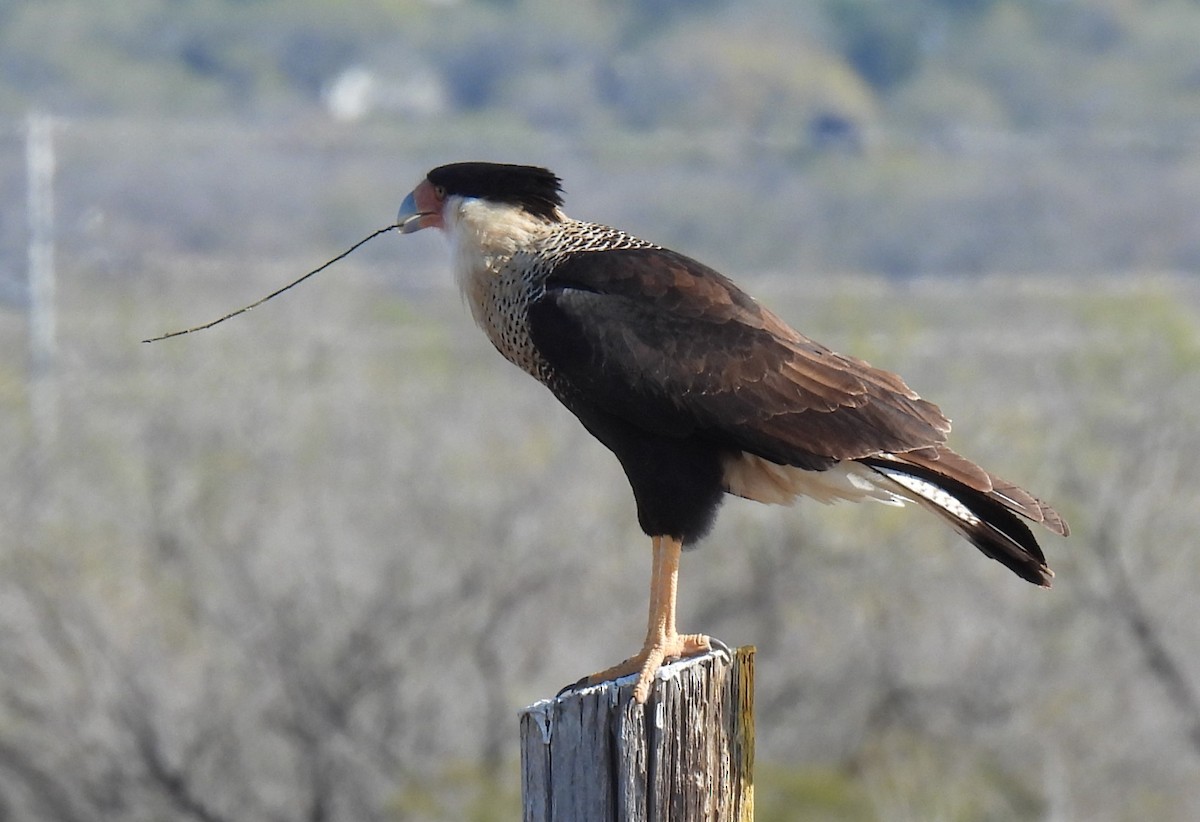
x: 663, y: 641
x: 655, y: 572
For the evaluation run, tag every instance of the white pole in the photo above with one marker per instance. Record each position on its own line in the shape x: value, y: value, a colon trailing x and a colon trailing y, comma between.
x: 39, y: 167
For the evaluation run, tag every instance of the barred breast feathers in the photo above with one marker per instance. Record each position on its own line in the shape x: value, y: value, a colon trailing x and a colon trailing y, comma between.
x: 502, y: 256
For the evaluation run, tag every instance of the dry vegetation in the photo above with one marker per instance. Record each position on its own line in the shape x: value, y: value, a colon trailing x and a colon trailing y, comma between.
x: 308, y: 564
x: 311, y: 562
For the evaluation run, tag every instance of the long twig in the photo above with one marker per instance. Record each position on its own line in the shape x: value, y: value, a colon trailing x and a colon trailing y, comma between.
x: 275, y: 293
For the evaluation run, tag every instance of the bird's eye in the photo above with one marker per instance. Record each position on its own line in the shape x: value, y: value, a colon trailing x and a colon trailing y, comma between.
x: 440, y: 191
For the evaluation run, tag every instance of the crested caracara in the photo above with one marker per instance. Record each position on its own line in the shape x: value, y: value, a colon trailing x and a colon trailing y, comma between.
x: 697, y: 389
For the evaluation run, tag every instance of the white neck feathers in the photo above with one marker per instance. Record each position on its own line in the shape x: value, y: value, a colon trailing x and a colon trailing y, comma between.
x: 484, y: 235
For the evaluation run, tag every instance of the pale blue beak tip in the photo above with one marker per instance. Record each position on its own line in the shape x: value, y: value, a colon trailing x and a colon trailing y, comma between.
x: 408, y: 218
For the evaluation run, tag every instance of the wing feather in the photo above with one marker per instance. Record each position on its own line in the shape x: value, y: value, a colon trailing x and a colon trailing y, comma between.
x: 677, y: 348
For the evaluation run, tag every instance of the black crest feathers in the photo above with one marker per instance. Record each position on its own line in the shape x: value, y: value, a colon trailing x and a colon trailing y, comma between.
x: 537, y: 190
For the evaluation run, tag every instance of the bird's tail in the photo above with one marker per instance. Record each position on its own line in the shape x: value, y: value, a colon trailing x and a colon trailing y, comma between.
x: 981, y: 507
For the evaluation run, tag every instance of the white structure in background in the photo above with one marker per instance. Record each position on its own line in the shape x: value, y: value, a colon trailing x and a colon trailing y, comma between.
x: 39, y: 175
x: 357, y: 91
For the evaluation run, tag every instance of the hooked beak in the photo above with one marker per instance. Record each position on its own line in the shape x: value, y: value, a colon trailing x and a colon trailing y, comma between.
x: 409, y: 218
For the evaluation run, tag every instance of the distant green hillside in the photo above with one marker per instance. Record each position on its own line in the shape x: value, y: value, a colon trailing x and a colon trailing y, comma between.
x: 764, y: 64
x: 927, y: 137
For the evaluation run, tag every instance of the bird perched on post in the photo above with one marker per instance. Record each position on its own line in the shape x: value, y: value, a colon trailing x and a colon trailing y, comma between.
x: 697, y: 389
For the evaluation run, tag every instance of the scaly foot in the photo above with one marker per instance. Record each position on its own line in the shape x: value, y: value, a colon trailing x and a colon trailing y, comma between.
x: 652, y: 656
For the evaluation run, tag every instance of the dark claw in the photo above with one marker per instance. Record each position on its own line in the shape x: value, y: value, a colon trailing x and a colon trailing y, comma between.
x: 566, y: 689
x: 715, y: 644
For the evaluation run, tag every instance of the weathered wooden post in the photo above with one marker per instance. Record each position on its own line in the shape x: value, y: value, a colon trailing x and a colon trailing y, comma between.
x: 594, y: 755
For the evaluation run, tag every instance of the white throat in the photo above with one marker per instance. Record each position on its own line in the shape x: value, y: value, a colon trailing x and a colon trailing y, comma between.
x: 484, y: 236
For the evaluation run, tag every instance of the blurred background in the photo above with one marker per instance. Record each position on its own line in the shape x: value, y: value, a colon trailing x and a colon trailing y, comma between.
x: 310, y: 563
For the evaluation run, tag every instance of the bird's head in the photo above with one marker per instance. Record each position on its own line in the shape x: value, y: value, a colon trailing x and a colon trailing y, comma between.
x: 437, y: 200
